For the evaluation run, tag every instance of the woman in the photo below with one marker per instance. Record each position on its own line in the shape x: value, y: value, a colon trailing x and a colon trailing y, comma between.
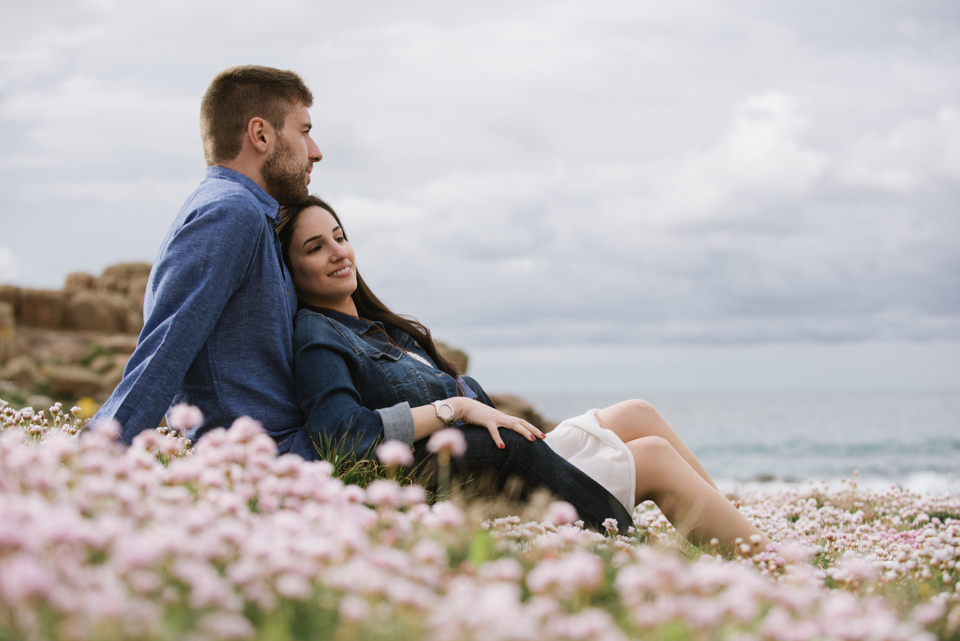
x: 364, y: 374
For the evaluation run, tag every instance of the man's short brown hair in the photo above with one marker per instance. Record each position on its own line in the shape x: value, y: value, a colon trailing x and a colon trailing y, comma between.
x: 238, y: 94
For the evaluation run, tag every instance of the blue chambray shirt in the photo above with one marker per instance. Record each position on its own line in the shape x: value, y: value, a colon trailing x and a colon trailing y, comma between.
x: 218, y: 317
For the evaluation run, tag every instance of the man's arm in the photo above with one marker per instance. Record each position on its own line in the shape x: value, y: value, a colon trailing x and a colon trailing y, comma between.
x: 200, y: 268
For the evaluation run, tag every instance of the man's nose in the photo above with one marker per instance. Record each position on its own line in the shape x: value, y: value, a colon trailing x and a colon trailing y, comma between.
x: 314, y: 151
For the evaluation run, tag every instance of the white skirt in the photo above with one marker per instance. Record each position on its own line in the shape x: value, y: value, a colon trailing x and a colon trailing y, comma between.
x: 599, y: 453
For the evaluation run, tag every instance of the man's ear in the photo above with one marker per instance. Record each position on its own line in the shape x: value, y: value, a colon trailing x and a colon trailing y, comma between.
x: 259, y: 132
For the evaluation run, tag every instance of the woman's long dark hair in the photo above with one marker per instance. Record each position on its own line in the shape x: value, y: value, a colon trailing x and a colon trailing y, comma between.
x: 369, y: 307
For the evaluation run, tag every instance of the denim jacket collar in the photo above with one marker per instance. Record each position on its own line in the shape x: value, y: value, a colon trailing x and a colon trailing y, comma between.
x: 354, y: 324
x: 268, y: 204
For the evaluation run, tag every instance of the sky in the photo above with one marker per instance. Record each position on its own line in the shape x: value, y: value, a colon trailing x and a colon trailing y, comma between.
x: 617, y: 195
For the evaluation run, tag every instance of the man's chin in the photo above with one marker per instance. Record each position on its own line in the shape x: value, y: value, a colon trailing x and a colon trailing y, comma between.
x: 290, y: 195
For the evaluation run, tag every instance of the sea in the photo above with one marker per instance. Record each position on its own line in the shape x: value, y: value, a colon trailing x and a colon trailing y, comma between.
x: 761, y: 441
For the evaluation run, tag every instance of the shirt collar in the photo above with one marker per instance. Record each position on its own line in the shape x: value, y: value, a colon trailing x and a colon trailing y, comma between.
x: 268, y: 204
x: 359, y: 325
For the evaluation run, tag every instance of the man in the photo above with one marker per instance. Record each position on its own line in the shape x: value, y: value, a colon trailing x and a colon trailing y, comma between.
x: 219, y: 306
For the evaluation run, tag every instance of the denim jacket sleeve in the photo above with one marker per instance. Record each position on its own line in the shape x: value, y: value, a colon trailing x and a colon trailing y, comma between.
x: 200, y: 267
x: 329, y: 377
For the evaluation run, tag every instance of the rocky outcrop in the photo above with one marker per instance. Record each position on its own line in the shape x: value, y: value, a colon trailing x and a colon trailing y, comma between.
x: 6, y: 330
x: 73, y: 343
x: 457, y: 357
x: 111, y: 302
x: 516, y: 406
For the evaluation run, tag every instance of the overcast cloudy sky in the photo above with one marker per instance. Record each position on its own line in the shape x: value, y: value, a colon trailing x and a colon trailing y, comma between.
x: 619, y: 194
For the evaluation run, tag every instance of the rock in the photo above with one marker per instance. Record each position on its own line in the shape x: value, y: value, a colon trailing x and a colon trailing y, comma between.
x: 118, y: 278
x: 71, y: 381
x: 94, y: 311
x: 7, y: 325
x: 22, y: 371
x: 457, y: 357
x: 39, y: 402
x: 78, y: 281
x: 516, y: 406
x: 40, y: 308
x: 118, y: 343
x: 101, y: 312
x: 7, y: 317
x: 101, y: 364
x: 54, y: 346
x: 10, y: 295
x: 137, y: 290
x: 112, y: 377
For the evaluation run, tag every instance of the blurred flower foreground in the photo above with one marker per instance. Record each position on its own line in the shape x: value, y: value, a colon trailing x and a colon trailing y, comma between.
x: 226, y: 540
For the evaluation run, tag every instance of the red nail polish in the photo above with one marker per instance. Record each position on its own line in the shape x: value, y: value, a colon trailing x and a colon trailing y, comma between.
x: 501, y: 446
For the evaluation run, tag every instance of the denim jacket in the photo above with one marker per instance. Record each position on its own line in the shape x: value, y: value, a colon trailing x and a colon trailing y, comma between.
x: 352, y: 382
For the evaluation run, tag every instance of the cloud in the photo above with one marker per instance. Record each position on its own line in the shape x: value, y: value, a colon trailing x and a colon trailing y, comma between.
x: 916, y: 152
x: 760, y: 157
x: 8, y: 264
x: 533, y: 174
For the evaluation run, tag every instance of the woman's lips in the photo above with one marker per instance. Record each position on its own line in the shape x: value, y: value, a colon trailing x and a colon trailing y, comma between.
x: 343, y: 271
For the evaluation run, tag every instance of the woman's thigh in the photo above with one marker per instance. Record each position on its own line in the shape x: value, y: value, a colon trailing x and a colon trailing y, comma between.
x: 634, y: 419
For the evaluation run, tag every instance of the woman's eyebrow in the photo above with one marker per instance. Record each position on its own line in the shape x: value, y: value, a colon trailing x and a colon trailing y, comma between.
x: 320, y: 236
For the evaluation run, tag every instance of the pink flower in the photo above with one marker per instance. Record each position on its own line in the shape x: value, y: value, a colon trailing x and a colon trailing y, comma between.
x: 413, y: 495
x: 395, y: 452
x: 448, y: 440
x: 384, y: 492
x: 184, y: 417
x: 561, y: 512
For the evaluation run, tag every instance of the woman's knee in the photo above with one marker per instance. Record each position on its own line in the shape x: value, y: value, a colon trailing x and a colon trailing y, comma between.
x: 641, y: 409
x: 651, y: 451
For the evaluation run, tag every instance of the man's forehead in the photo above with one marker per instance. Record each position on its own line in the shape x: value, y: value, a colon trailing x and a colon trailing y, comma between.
x: 299, y: 113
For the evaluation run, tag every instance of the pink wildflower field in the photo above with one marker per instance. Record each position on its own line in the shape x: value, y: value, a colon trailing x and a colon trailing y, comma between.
x: 226, y: 540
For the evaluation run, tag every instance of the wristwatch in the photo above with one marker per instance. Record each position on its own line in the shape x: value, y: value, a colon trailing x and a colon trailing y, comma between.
x: 448, y: 416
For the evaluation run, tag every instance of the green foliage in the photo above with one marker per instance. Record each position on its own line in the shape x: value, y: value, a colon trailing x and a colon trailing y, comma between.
x: 363, y: 468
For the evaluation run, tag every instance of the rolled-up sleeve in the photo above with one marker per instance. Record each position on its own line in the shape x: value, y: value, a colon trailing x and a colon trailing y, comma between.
x: 329, y: 375
x: 397, y: 423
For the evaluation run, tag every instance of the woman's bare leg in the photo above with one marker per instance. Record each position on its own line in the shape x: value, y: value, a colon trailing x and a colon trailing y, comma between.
x: 631, y: 420
x: 696, y: 509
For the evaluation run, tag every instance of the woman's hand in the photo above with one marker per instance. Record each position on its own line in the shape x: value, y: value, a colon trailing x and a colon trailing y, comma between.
x: 477, y: 413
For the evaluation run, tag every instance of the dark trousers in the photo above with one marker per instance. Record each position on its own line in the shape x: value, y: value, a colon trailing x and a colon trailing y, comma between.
x: 535, y: 465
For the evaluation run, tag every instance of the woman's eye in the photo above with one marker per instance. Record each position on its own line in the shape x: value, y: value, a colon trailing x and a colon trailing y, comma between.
x: 314, y: 249
x: 340, y: 239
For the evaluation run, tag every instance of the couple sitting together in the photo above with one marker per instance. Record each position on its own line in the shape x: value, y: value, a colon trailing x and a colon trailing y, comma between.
x: 255, y: 308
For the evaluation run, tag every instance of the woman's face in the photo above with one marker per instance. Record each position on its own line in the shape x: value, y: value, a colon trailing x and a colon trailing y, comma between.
x: 322, y: 262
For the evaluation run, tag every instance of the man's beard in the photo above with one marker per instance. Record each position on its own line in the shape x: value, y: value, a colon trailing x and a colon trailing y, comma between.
x: 282, y: 177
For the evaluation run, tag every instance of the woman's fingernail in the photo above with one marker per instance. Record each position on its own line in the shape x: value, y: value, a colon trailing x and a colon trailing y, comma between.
x: 501, y: 446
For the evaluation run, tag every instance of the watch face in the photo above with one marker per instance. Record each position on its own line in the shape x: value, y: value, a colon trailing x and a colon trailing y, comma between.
x: 442, y: 413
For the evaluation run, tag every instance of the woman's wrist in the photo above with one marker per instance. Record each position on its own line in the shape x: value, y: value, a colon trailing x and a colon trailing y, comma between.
x: 459, y: 407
